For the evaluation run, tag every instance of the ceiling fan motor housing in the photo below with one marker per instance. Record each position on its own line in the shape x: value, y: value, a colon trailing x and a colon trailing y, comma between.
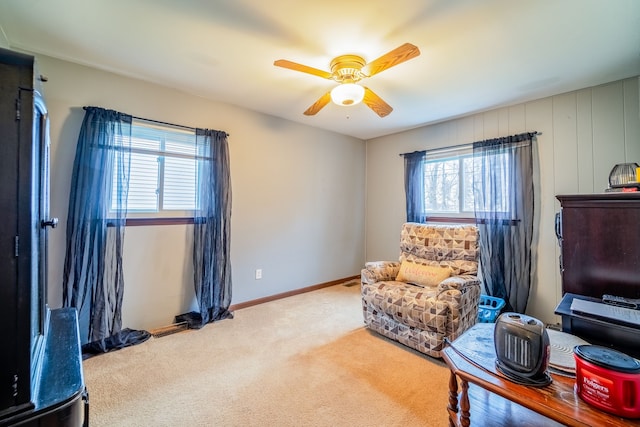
x: 347, y: 68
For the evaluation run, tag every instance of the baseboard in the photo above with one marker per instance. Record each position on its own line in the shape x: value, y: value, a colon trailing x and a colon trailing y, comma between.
x: 251, y: 303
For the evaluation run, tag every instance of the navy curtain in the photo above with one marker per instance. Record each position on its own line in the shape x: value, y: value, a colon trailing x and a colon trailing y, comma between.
x: 414, y: 186
x: 93, y: 281
x: 211, y: 231
x: 503, y: 193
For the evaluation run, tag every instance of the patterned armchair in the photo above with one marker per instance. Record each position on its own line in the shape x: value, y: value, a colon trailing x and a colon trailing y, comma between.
x: 422, y: 313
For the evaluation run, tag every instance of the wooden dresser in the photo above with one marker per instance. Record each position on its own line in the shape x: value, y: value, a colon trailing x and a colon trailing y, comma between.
x: 600, y: 239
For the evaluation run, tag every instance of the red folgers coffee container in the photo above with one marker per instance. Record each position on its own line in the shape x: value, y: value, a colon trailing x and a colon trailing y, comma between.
x: 608, y: 379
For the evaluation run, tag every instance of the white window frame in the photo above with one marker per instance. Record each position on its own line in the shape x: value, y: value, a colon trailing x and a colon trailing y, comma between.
x: 448, y: 154
x: 165, y: 134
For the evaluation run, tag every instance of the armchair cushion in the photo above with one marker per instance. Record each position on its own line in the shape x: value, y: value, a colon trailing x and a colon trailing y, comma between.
x: 454, y: 246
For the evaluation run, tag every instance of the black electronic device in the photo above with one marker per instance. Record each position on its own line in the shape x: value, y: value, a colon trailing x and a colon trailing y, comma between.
x: 621, y: 301
x: 522, y: 349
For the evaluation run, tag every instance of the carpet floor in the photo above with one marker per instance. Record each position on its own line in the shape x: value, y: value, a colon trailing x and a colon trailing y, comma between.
x: 305, y: 360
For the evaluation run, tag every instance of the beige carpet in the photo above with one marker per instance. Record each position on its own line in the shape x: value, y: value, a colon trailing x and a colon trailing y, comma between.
x: 300, y: 361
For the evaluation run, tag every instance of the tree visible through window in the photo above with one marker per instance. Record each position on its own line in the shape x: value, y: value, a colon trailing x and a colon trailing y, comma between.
x: 449, y: 185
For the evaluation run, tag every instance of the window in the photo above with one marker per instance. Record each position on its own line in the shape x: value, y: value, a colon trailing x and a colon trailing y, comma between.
x: 449, y: 183
x: 162, y: 172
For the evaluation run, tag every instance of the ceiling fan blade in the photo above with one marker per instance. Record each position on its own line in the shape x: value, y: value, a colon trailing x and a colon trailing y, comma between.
x: 376, y: 103
x: 318, y: 105
x: 397, y: 56
x: 302, y: 68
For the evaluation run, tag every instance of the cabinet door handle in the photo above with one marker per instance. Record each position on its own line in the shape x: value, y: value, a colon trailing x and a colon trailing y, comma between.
x: 559, y: 227
x: 53, y: 223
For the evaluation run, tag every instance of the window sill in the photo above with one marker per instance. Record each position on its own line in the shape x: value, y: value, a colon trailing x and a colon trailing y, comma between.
x: 454, y: 220
x: 458, y: 220
x: 137, y: 222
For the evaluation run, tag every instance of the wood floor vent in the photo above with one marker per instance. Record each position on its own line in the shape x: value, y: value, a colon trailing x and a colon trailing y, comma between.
x: 170, y: 329
x: 351, y: 283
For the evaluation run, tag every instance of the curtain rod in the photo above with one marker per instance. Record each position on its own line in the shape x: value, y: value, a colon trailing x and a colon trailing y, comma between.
x: 169, y: 124
x: 450, y: 147
x: 163, y: 123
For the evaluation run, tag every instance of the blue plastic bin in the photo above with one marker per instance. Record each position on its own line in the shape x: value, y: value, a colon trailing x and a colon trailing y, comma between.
x: 489, y: 308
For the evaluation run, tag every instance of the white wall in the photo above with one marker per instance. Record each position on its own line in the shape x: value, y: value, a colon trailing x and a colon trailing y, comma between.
x: 298, y: 196
x: 584, y: 134
x: 299, y: 193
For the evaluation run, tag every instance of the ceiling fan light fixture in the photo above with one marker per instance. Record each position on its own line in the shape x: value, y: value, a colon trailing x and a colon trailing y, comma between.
x: 347, y: 94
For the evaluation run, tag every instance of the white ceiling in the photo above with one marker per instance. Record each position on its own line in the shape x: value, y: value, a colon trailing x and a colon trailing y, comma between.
x: 475, y: 54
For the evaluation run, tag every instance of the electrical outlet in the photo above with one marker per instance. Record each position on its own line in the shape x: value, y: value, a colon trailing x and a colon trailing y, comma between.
x: 258, y: 274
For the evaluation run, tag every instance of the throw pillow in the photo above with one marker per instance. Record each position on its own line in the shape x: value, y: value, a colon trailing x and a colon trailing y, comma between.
x: 424, y: 275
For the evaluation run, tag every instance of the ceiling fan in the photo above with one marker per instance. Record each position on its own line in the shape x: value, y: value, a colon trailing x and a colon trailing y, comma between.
x: 348, y: 70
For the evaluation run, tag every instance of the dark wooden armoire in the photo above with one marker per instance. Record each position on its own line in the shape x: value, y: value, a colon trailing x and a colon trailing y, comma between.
x: 41, y: 381
x: 600, y: 241
x: 599, y: 236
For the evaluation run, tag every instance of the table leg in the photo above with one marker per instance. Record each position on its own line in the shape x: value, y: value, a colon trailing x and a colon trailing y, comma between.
x: 453, y: 398
x: 464, y: 405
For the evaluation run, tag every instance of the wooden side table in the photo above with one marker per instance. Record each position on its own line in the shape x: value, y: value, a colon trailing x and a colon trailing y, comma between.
x: 556, y: 402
